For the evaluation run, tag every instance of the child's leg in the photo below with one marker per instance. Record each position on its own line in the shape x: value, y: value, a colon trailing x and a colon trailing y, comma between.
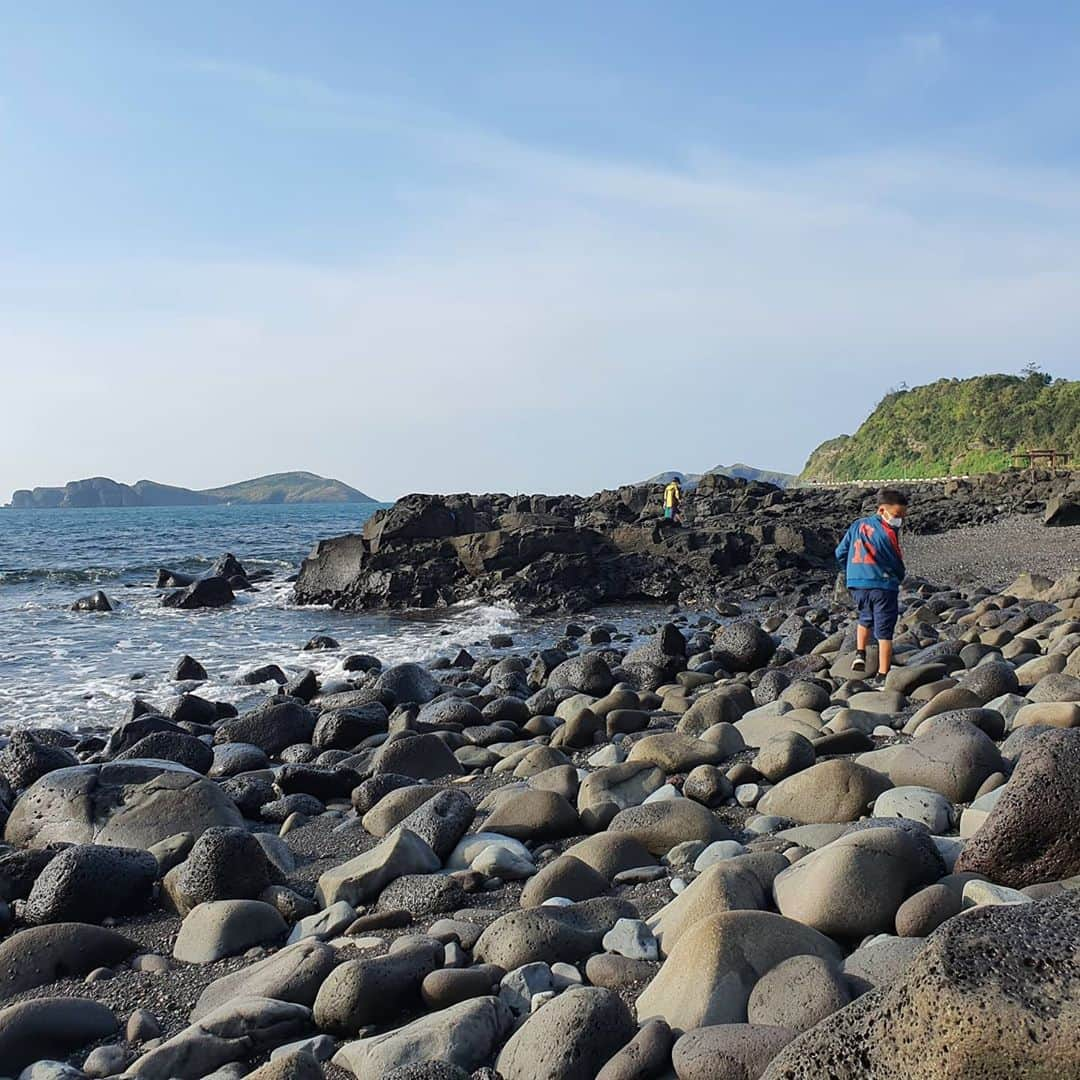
x: 884, y: 656
x: 862, y: 637
x: 886, y: 612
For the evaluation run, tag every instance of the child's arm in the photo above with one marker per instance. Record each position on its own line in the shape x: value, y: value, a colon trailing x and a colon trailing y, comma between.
x: 844, y: 546
x: 891, y: 560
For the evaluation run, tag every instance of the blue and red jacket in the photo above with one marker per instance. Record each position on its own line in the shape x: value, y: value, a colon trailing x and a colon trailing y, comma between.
x: 871, y: 553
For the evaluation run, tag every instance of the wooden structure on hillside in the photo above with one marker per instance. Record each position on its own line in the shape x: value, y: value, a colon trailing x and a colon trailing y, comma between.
x: 1033, y: 459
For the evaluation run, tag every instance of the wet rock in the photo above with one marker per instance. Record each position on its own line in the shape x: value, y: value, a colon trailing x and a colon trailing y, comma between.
x: 207, y: 592
x: 96, y: 601
x: 587, y: 674
x: 409, y: 683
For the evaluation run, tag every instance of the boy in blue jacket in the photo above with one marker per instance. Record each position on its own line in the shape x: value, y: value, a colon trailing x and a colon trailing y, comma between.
x: 874, y: 568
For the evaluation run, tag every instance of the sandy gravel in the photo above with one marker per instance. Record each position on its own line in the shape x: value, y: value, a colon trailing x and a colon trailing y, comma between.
x: 993, y: 555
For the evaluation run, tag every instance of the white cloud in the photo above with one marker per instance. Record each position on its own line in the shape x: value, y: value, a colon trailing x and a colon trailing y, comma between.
x: 548, y: 322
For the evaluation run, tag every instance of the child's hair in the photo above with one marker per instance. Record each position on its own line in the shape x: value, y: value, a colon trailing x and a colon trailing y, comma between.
x: 891, y: 497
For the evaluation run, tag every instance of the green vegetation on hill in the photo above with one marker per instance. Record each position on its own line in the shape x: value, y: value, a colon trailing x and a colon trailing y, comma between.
x: 953, y: 427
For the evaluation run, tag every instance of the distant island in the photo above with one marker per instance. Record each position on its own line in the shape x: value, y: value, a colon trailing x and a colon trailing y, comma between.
x: 97, y: 491
x: 738, y: 471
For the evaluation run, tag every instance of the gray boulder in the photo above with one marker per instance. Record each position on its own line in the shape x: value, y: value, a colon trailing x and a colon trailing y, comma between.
x: 465, y: 1035
x: 272, y: 727
x: 853, y: 886
x: 733, y: 1051
x: 708, y: 976
x: 409, y: 683
x: 50, y: 1028
x: 225, y: 928
x: 948, y: 755
x: 40, y: 955
x: 127, y: 804
x: 224, y: 864
x: 570, y: 1038
x: 89, y: 883
x: 237, y: 1031
x: 587, y: 674
x: 293, y: 974
x: 1033, y: 832
x: 830, y: 791
x: 376, y: 990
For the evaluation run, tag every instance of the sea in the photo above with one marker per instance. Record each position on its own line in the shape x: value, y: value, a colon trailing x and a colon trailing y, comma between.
x: 79, y: 670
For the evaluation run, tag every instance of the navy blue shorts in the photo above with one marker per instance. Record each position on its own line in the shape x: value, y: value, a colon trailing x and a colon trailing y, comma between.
x: 878, y: 608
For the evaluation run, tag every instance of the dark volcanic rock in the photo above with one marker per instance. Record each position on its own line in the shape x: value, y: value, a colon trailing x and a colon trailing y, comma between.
x: 209, y: 592
x: 175, y: 746
x: 96, y: 601
x: 272, y: 727
x: 25, y: 760
x: 550, y: 552
x: 224, y: 864
x: 91, y: 882
x: 994, y: 994
x: 1033, y: 832
x: 187, y: 667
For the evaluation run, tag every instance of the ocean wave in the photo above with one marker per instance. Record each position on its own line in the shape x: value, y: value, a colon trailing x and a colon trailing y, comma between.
x: 138, y: 572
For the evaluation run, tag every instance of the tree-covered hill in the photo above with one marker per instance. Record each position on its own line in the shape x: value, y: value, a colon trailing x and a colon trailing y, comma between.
x: 954, y: 426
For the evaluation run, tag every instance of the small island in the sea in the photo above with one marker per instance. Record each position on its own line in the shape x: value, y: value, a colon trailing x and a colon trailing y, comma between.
x: 97, y: 491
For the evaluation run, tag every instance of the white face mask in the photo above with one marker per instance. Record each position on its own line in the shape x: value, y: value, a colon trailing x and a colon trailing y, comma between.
x: 895, y: 522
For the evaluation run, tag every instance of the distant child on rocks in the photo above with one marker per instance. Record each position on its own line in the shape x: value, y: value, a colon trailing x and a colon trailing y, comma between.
x: 673, y: 501
x: 874, y: 569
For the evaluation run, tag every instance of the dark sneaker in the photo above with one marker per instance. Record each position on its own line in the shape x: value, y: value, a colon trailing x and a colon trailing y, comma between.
x: 858, y: 664
x: 876, y: 682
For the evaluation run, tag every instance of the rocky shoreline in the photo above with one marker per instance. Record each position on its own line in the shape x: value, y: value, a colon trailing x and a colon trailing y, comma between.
x: 717, y: 854
x: 544, y: 553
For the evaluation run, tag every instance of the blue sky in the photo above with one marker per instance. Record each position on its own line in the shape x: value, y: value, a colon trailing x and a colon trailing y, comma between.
x: 498, y: 246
